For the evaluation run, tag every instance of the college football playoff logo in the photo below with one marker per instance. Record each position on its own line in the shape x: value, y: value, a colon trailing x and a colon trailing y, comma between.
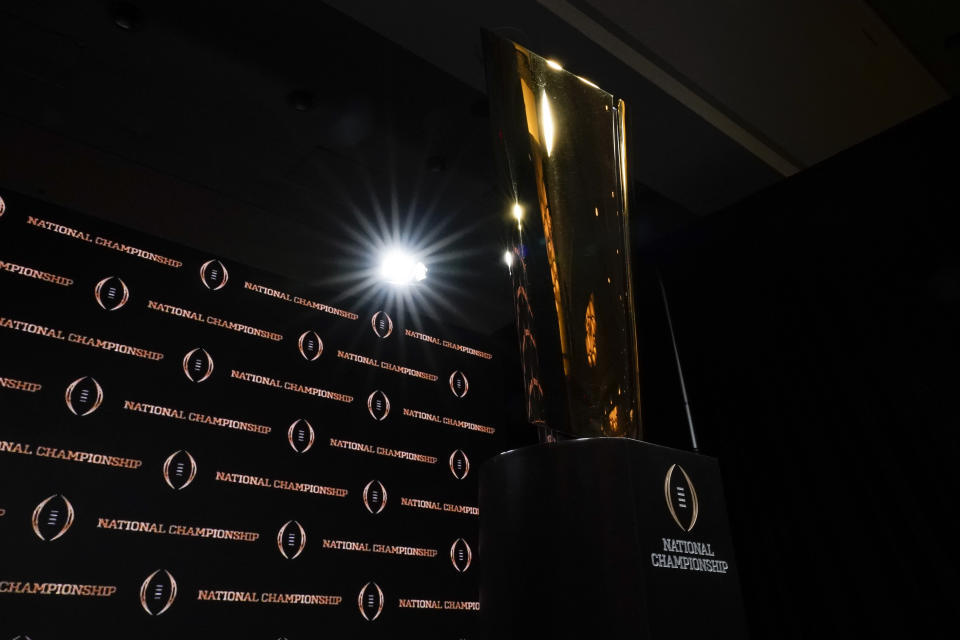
x: 52, y: 517
x: 458, y: 384
x: 214, y: 275
x: 291, y: 539
x: 378, y: 404
x: 300, y: 435
x: 382, y: 324
x: 3, y: 207
x: 375, y: 497
x: 460, y: 555
x: 459, y: 464
x: 197, y: 365
x: 111, y: 293
x: 84, y: 396
x: 681, y: 497
x: 158, y: 592
x: 310, y: 345
x: 179, y: 470
x: 370, y: 601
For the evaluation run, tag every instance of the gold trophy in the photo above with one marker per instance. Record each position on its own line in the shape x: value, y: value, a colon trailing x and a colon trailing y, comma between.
x: 575, y: 534
x: 562, y: 158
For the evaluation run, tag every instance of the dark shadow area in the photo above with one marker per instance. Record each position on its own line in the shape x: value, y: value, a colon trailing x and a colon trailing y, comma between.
x: 817, y: 322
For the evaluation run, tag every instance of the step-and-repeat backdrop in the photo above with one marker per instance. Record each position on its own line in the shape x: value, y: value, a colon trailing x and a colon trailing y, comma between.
x: 192, y: 448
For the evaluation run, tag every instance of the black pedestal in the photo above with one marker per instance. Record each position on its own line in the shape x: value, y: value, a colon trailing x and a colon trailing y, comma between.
x: 606, y: 538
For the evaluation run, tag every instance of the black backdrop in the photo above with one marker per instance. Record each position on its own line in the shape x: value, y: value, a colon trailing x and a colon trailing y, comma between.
x: 818, y: 325
x: 38, y: 341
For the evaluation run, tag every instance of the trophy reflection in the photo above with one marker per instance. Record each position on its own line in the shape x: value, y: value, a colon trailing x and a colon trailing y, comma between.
x: 562, y: 159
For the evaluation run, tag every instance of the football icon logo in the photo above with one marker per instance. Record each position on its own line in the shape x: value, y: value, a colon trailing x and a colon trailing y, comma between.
x: 681, y: 497
x: 459, y: 464
x: 370, y: 601
x: 300, y: 435
x: 458, y: 384
x: 3, y: 207
x: 382, y: 324
x: 179, y: 470
x: 84, y: 396
x: 214, y: 275
x: 460, y: 555
x: 291, y: 539
x: 111, y: 293
x: 310, y: 345
x: 158, y: 592
x: 52, y: 517
x: 378, y: 404
x: 197, y: 365
x: 375, y: 497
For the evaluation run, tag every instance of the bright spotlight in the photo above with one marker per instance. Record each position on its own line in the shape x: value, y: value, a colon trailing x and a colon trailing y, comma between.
x: 508, y: 258
x: 546, y: 120
x: 399, y: 267
x: 419, y: 271
x: 518, y: 212
x: 553, y: 64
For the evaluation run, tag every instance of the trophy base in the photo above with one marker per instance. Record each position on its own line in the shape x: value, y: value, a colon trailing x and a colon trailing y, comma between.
x: 606, y: 537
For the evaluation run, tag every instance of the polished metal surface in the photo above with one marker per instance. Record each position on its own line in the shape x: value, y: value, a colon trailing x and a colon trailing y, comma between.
x: 562, y: 158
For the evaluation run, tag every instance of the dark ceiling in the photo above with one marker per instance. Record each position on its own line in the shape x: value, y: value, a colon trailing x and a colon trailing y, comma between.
x: 291, y: 137
x: 286, y: 136
x: 931, y: 30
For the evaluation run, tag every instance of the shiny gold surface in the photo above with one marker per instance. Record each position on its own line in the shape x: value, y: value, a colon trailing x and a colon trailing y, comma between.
x: 562, y: 159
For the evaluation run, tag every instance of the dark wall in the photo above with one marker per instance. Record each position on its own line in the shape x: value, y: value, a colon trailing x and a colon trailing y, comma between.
x: 817, y: 322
